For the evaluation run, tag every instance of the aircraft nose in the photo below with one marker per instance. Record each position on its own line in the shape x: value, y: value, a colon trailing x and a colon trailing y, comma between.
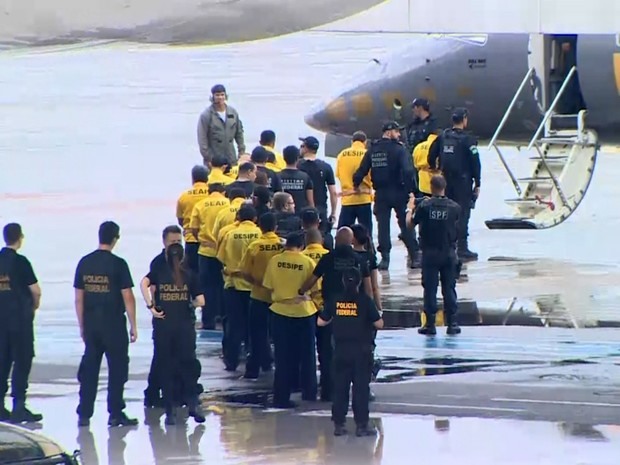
x: 317, y: 118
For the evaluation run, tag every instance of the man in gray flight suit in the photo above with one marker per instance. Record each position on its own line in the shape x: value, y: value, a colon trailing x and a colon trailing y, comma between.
x: 219, y: 127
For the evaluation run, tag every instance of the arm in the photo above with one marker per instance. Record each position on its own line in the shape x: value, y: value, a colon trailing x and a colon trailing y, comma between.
x: 129, y: 300
x: 433, y: 154
x: 330, y: 180
x: 194, y: 223
x: 376, y: 290
x: 308, y: 284
x: 317, y: 274
x: 79, y: 310
x: 363, y: 170
x: 145, y: 289
x: 409, y: 219
x: 240, y: 136
x: 368, y: 286
x: 406, y: 168
x: 31, y: 281
x: 199, y: 301
x: 180, y: 210
x: 35, y: 290
x: 476, y: 167
x: 203, y: 138
x: 310, y: 197
x: 374, y: 316
x: 322, y: 322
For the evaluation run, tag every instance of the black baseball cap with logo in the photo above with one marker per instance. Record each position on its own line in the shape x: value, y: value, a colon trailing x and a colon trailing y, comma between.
x: 310, y: 142
x: 391, y: 126
x: 421, y: 102
x: 459, y: 114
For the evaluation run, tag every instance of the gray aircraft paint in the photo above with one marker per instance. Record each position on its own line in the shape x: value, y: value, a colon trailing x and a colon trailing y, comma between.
x: 480, y: 72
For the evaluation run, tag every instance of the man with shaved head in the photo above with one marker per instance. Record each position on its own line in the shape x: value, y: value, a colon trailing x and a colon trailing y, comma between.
x: 331, y: 268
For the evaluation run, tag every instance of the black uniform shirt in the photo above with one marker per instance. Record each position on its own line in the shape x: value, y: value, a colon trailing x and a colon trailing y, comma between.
x: 296, y: 183
x: 287, y: 223
x: 173, y: 300
x: 246, y: 186
x: 322, y: 175
x: 273, y: 180
x: 102, y: 276
x: 331, y: 266
x: 369, y: 257
x: 390, y: 166
x: 464, y: 161
x: 353, y: 320
x: 16, y: 275
x: 156, y: 263
x: 438, y: 218
x: 419, y: 130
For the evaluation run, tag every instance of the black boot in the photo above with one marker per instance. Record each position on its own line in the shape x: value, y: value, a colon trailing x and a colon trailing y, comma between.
x: 384, y: 264
x: 429, y: 328
x: 340, y: 430
x: 365, y: 430
x: 196, y: 412
x: 464, y: 254
x: 415, y: 259
x: 171, y: 418
x: 21, y: 414
x: 121, y: 419
x: 5, y: 414
x: 453, y: 327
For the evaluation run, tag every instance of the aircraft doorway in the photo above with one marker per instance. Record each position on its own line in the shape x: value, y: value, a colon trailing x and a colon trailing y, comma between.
x: 563, y: 56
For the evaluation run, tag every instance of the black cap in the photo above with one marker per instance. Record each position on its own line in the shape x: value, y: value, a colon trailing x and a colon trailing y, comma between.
x: 217, y: 88
x: 459, y: 113
x: 310, y: 215
x: 310, y: 142
x: 421, y: 102
x: 391, y: 126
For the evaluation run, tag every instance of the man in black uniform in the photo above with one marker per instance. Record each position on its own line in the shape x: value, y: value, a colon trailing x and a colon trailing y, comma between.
x: 311, y: 219
x: 245, y: 180
x: 103, y: 293
x: 391, y: 173
x: 331, y: 268
x: 455, y: 153
x: 423, y: 125
x: 260, y: 156
x: 438, y: 219
x: 296, y: 182
x: 323, y: 180
x: 20, y: 296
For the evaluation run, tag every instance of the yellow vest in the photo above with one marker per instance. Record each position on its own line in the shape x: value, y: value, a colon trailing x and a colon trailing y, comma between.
x: 315, y: 252
x: 234, y: 244
x: 347, y: 163
x: 280, y: 164
x: 420, y: 161
x: 217, y: 176
x: 203, y: 218
x: 255, y: 263
x: 226, y: 216
x: 185, y: 206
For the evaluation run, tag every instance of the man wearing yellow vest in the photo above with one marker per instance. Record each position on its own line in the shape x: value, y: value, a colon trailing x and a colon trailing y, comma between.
x: 210, y: 271
x: 268, y: 141
x: 420, y: 161
x: 217, y: 173
x: 228, y: 215
x: 185, y: 206
x: 293, y: 322
x: 253, y: 267
x: 355, y: 205
x: 236, y: 287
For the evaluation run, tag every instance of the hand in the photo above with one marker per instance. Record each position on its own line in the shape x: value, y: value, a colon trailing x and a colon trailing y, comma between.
x: 356, y: 189
x: 157, y: 314
x: 82, y: 335
x: 133, y: 335
x: 477, y: 192
x: 332, y: 218
x: 411, y: 203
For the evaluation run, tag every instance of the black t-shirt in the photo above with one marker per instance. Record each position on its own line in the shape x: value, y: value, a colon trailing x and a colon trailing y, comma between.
x: 353, y: 319
x: 331, y: 266
x: 321, y: 175
x: 287, y: 223
x: 16, y: 275
x: 296, y: 183
x: 369, y: 257
x: 247, y: 186
x: 156, y: 263
x: 102, y: 276
x: 273, y: 180
x: 175, y: 301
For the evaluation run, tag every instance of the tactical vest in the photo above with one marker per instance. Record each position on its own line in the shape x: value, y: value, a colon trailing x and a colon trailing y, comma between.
x: 452, y: 154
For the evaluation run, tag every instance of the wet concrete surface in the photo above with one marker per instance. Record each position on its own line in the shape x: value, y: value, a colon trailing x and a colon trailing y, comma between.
x: 108, y: 132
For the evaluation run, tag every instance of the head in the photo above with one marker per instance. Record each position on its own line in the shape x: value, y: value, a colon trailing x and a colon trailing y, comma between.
x: 261, y: 196
x: 109, y: 234
x: 361, y: 236
x: 283, y: 202
x: 310, y: 218
x: 421, y: 108
x: 218, y: 95
x: 344, y: 236
x: 291, y: 156
x: 267, y: 222
x: 391, y: 130
x: 217, y: 187
x: 459, y: 118
x: 268, y: 138
x: 438, y: 185
x: 351, y: 278
x: 13, y: 235
x: 295, y: 241
x: 172, y: 235
x: 236, y: 193
x: 309, y: 145
x: 260, y: 155
x: 247, y: 171
x: 314, y: 236
x: 261, y: 179
x: 359, y: 136
x: 199, y: 174
x: 174, y: 257
x: 244, y: 158
x: 246, y: 213
x: 219, y: 161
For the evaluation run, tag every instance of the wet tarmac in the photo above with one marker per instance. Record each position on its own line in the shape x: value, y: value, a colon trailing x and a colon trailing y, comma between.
x: 108, y: 132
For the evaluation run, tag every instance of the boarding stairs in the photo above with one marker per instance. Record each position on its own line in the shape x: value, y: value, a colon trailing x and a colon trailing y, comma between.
x: 563, y: 154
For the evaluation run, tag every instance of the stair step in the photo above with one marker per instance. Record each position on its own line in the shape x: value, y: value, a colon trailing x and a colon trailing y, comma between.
x: 541, y: 179
x: 562, y: 116
x: 559, y: 140
x: 551, y: 158
x: 530, y: 203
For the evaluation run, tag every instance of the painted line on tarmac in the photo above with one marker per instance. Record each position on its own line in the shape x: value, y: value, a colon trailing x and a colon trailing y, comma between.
x: 451, y: 407
x: 555, y: 402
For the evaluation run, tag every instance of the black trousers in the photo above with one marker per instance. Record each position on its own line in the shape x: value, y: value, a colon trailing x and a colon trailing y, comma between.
x: 258, y: 327
x: 439, y: 266
x: 236, y: 323
x: 460, y: 190
x: 325, y: 349
x: 191, y: 254
x: 352, y: 365
x: 109, y: 338
x: 17, y: 352
x: 213, y: 285
x: 350, y: 213
x: 175, y: 348
x: 294, y: 344
x: 386, y: 201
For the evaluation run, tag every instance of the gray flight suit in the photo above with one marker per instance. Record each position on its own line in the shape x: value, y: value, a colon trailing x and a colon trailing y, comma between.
x: 217, y: 137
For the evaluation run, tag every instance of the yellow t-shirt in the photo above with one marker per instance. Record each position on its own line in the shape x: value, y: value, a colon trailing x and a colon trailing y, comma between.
x: 217, y: 176
x: 347, y: 163
x: 285, y: 274
x: 255, y: 263
x: 234, y: 244
x: 315, y: 252
x: 280, y: 164
x: 420, y: 161
x: 185, y: 205
x: 226, y: 216
x: 204, y: 215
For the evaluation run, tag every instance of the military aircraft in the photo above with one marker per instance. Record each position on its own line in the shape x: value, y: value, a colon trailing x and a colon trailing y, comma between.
x: 577, y: 75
